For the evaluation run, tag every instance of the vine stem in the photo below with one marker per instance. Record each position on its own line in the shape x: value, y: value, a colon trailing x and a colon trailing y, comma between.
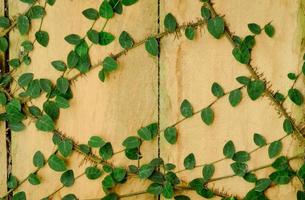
x: 141, y: 42
x: 255, y: 75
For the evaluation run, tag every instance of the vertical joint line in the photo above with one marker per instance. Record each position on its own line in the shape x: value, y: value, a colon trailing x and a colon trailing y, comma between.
x: 158, y: 65
x: 4, y: 69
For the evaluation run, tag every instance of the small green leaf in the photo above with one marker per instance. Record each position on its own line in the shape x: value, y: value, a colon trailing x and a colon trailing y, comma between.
x: 208, y: 171
x: 38, y: 159
x: 269, y: 30
x: 235, y: 97
x: 105, y: 38
x: 182, y: 197
x: 189, y: 161
x: 170, y: 135
x: 300, y: 195
x: 51, y: 2
x: 61, y: 102
x: 91, y: 14
x: 65, y: 147
x: 69, y: 197
x: 216, y: 27
x: 72, y: 59
x: 274, y: 149
x: 108, y: 182
x: 217, y: 90
x: 145, y: 134
x: 4, y: 22
x: 152, y: 46
x: 56, y: 163
x: 241, y: 156
x: 259, y: 140
x: 281, y: 177
x: 12, y: 182
x: 45, y: 123
x: 96, y: 142
x: 240, y: 169
x: 19, y: 196
x: 205, y: 13
x: 106, y: 151
x: 170, y: 22
x: 207, y: 116
x: 93, y: 173
x: 255, y: 89
x: 23, y: 24
x: 131, y: 142
x: 42, y: 38
x: 250, y: 177
x: 254, y: 28
x: 45, y: 85
x: 186, y: 109
x: 168, y: 190
x: 109, y: 64
x: 59, y: 65
x: 146, y: 171
x: 129, y: 2
x: 288, y: 126
x: 51, y: 109
x: 3, y: 44
x: 3, y: 98
x: 105, y: 10
x: 296, y: 96
x: 34, y: 179
x: 25, y: 79
x: 229, y: 149
x: 84, y: 149
x: 67, y: 178
x: 36, y: 12
x: 279, y: 97
x: 62, y: 84
x: 93, y: 36
x: 155, y: 189
x: 281, y: 163
x: 119, y: 174
x: 241, y: 54
x: 73, y: 39
x: 190, y: 32
x: 126, y: 40
x: 262, y: 184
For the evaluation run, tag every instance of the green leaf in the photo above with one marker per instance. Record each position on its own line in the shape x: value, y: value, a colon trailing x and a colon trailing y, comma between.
x: 170, y: 135
x: 27, y: 45
x: 51, y: 2
x: 216, y: 27
x: 190, y: 32
x: 72, y: 59
x: 274, y: 149
x: 59, y: 65
x: 296, y: 96
x: 189, y: 161
x: 110, y: 64
x: 300, y: 195
x: 131, y: 142
x: 235, y: 97
x: 3, y: 44
x: 168, y: 190
x: 207, y: 116
x: 152, y: 46
x: 23, y: 24
x: 106, y: 151
x: 111, y: 196
x: 281, y: 163
x: 25, y: 79
x: 45, y: 123
x: 119, y: 174
x: 208, y: 171
x: 126, y: 40
x: 105, y: 38
x: 73, y: 39
x: 155, y: 189
x: 34, y: 179
x: 288, y: 126
x: 239, y: 169
x: 217, y: 90
x: 229, y: 149
x: 96, y: 142
x: 301, y: 171
x: 65, y: 147
x: 146, y: 171
x: 93, y: 36
x: 106, y: 10
x: 45, y: 85
x: 16, y: 126
x: 56, y: 163
x: 292, y: 76
x: 33, y: 89
x: 62, y: 84
x: 93, y: 173
x: 84, y: 149
x: 205, y: 13
x: 186, y: 109
x: 254, y: 28
x: 69, y: 197
x: 145, y: 134
x: 38, y: 159
x: 4, y: 22
x: 42, y: 38
x: 250, y: 177
x: 255, y: 89
x: 91, y: 14
x: 269, y: 30
x: 19, y: 196
x: 129, y: 2
x: 242, y: 55
x: 36, y: 12
x: 67, y: 178
x: 12, y: 182
x: 62, y: 102
x: 281, y: 177
x: 15, y: 63
x: 259, y: 140
x: 262, y: 184
x: 108, y: 182
x: 170, y: 22
x: 182, y: 197
x: 35, y: 111
x: 241, y: 156
x: 51, y: 109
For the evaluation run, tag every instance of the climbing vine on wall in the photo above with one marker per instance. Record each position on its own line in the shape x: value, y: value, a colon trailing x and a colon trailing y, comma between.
x: 17, y: 91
